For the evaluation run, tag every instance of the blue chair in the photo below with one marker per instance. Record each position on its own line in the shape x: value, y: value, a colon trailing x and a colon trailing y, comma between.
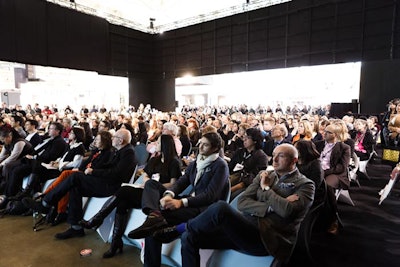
x: 230, y: 257
x: 171, y: 252
x: 141, y: 155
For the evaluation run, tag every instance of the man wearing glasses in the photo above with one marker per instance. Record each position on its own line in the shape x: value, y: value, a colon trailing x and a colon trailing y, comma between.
x: 271, y: 210
x: 91, y: 183
x: 335, y: 159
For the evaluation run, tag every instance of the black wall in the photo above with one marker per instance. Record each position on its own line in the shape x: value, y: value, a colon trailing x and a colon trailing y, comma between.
x: 380, y: 82
x: 297, y: 33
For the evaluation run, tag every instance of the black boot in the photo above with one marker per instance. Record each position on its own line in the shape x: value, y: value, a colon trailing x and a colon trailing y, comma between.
x: 99, y: 217
x: 120, y: 223
x: 32, y: 182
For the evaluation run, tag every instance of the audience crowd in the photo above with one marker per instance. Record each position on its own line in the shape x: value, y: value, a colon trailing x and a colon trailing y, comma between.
x: 277, y: 163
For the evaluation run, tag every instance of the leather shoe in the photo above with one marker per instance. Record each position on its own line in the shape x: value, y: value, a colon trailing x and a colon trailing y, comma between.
x: 60, y: 218
x: 152, y: 224
x: 3, y: 202
x: 35, y: 205
x: 20, y: 195
x: 167, y: 234
x: 71, y: 232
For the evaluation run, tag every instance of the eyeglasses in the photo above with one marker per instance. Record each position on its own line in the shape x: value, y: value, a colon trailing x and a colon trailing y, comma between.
x: 119, y: 137
x: 328, y: 132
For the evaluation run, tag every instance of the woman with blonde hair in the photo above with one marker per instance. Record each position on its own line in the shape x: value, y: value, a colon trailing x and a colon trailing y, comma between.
x: 344, y: 135
x: 305, y: 131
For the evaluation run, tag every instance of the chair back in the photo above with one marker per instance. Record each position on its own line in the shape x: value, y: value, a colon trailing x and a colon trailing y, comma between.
x: 141, y: 155
x: 353, y: 168
x: 132, y: 180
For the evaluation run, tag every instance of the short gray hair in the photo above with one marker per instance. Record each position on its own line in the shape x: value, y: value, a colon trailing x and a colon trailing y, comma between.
x: 173, y: 128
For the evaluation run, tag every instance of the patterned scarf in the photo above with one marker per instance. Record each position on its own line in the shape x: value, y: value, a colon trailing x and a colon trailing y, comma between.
x: 202, y: 163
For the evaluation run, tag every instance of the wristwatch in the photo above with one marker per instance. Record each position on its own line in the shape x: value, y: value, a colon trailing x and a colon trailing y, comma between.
x: 266, y: 188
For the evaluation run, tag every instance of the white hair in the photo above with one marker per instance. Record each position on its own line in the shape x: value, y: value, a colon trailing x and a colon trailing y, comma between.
x: 172, y: 128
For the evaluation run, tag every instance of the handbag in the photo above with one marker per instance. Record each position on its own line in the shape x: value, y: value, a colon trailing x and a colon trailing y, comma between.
x: 235, y: 178
x: 390, y: 155
x: 241, y: 176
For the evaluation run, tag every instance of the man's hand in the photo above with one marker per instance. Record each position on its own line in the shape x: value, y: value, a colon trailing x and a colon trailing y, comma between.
x: 88, y: 171
x: 264, y: 182
x: 293, y: 198
x: 168, y: 202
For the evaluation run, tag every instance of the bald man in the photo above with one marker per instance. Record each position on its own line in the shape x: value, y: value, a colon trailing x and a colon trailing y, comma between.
x: 91, y: 183
x: 272, y: 208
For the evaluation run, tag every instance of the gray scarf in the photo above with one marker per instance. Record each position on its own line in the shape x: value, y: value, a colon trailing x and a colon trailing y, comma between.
x: 202, y: 163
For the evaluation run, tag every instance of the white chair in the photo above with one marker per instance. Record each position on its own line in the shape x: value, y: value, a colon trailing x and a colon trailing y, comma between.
x: 363, y: 163
x: 94, y: 204
x: 136, y: 219
x: 353, y: 168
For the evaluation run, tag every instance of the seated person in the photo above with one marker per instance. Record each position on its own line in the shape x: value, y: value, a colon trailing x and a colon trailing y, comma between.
x: 278, y: 134
x: 33, y: 136
x: 271, y: 210
x: 247, y: 162
x: 236, y: 142
x: 98, y: 159
x: 310, y: 166
x: 394, y: 127
x: 304, y: 131
x: 183, y: 136
x: 93, y: 183
x: 194, y: 131
x: 71, y: 159
x: 171, y: 129
x: 208, y: 177
x: 13, y: 150
x: 268, y: 124
x: 104, y: 126
x: 17, y: 122
x: 335, y: 159
x: 363, y: 139
x: 49, y: 150
x: 166, y: 167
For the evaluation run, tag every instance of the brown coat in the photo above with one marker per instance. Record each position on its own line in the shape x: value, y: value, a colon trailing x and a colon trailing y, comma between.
x: 339, y: 161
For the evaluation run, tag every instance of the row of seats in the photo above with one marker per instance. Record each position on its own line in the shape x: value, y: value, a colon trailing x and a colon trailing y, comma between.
x: 171, y: 254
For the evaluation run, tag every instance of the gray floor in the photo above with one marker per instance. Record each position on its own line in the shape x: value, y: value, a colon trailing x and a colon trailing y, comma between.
x: 20, y: 246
